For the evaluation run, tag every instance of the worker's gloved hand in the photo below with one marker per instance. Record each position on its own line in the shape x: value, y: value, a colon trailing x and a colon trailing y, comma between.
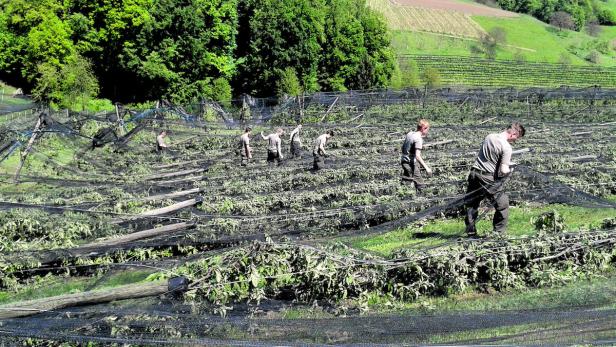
x: 281, y: 157
x: 429, y: 172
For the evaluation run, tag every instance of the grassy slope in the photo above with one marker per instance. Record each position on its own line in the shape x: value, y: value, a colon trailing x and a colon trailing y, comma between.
x: 527, y: 37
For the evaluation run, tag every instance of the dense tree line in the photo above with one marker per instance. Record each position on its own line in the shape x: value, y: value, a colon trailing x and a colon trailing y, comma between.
x: 135, y: 50
x: 582, y: 11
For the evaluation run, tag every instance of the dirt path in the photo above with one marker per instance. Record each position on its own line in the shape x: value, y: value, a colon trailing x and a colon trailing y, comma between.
x: 470, y: 9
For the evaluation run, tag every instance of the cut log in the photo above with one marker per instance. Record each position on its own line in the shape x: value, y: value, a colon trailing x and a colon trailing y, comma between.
x: 132, y: 237
x: 162, y: 211
x: 581, y: 133
x: 584, y: 157
x: 24, y: 154
x: 181, y: 180
x: 175, y: 174
x: 131, y: 291
x: 90, y: 250
x: 172, y: 195
x: 182, y: 163
x: 329, y: 109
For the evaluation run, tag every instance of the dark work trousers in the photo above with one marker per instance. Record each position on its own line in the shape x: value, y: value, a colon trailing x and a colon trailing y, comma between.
x: 319, y: 161
x: 244, y: 161
x: 412, y: 173
x: 482, y: 185
x: 273, y: 157
x: 160, y: 149
x: 296, y: 149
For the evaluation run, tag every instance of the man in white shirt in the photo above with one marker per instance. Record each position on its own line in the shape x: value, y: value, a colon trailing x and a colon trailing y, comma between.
x: 318, y: 152
x: 245, y: 150
x: 487, y: 178
x: 274, y: 143
x: 411, y: 155
x: 296, y: 142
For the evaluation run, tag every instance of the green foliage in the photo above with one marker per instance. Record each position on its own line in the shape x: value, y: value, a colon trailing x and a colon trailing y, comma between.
x: 292, y: 31
x: 549, y: 222
x: 186, y: 50
x: 489, y: 42
x: 288, y: 83
x: 356, y: 49
x: 73, y: 85
x: 580, y: 11
x: 183, y: 48
x: 23, y: 229
x: 431, y: 77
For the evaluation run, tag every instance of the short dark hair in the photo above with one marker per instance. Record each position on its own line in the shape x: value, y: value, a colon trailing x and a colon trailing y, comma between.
x: 247, y: 129
x: 330, y: 132
x: 517, y: 128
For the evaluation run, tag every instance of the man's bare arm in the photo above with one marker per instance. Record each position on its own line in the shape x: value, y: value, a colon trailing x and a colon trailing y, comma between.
x: 421, y: 161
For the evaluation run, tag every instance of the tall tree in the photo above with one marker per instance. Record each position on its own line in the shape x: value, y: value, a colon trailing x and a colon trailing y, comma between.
x: 280, y: 34
x: 187, y: 45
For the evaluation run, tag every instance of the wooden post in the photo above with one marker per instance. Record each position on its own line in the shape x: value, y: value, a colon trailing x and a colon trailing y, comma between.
x: 172, y: 195
x: 130, y: 291
x: 134, y: 236
x: 24, y: 155
x: 584, y: 157
x: 174, y: 174
x: 329, y: 109
x: 163, y: 210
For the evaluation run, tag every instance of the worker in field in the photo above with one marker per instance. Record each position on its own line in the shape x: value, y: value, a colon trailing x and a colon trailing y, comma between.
x: 274, y: 146
x: 411, y: 158
x: 296, y: 142
x: 319, y: 150
x: 487, y: 177
x: 244, y: 147
x: 161, y: 145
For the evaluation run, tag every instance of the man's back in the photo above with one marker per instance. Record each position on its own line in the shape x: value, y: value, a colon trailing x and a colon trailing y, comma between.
x: 494, y: 149
x: 412, y: 142
x: 273, y: 140
x: 320, y: 141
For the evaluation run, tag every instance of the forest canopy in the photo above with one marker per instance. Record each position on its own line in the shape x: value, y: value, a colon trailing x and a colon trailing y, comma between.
x: 138, y: 50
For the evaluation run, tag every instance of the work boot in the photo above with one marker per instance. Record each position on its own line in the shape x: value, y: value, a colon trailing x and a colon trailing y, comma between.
x: 471, y: 231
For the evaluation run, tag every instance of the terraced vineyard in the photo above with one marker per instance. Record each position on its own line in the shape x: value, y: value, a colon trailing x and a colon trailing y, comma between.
x: 194, y: 249
x: 431, y: 20
x: 471, y: 71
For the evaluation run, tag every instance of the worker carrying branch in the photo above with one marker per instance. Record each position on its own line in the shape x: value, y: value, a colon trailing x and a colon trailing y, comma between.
x: 411, y: 155
x: 274, y: 146
x: 487, y: 177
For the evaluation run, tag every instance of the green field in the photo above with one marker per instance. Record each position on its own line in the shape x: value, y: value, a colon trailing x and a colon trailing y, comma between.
x: 481, y: 72
x: 528, y: 40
